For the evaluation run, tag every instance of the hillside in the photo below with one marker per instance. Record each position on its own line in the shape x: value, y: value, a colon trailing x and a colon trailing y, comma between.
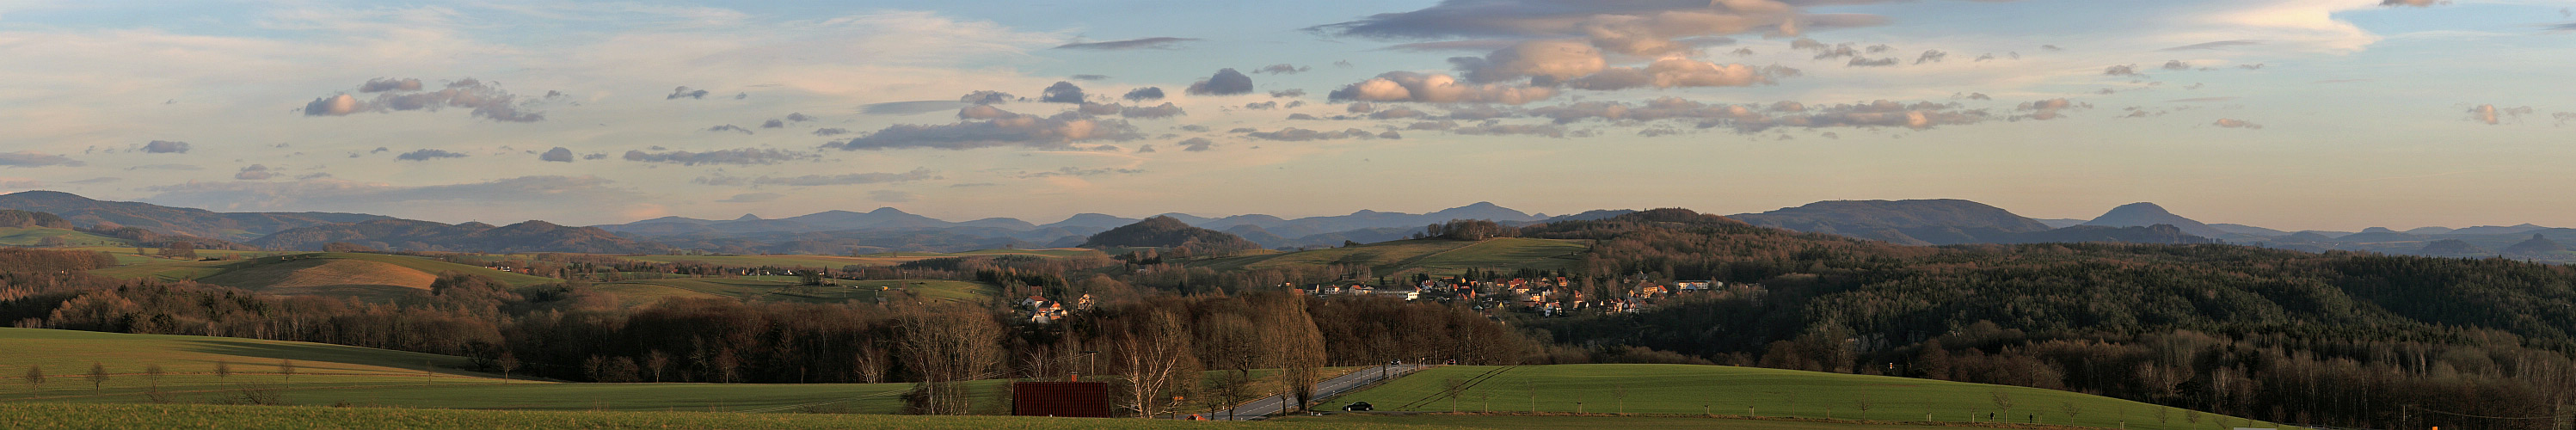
x: 413, y: 235
x: 68, y: 416
x: 1435, y: 256
x: 373, y: 276
x: 649, y: 291
x: 85, y: 212
x: 2143, y: 214
x: 1166, y: 232
x: 43, y: 236
x: 1911, y: 222
x: 2537, y: 245
x: 1695, y: 390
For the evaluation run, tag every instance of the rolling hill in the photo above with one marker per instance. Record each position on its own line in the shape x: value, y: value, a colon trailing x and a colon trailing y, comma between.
x: 413, y: 235
x: 237, y: 226
x: 1436, y: 256
x: 1911, y: 222
x: 339, y: 274
x: 1166, y: 232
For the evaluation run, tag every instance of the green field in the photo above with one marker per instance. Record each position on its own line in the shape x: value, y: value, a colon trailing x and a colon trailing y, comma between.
x: 48, y: 416
x: 1673, y: 389
x: 1438, y: 257
x: 1545, y: 422
x: 32, y: 236
x: 310, y: 273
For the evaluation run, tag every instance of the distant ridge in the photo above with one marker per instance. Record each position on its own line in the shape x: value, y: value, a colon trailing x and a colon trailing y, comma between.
x: 2143, y: 214
x: 232, y: 226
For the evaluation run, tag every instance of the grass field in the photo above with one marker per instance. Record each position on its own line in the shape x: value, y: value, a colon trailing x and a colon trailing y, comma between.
x: 32, y: 236
x: 44, y: 416
x: 1723, y: 390
x: 1546, y: 422
x: 1438, y: 257
x: 356, y: 274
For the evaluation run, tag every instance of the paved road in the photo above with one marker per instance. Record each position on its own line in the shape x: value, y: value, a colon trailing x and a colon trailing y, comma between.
x: 1326, y: 389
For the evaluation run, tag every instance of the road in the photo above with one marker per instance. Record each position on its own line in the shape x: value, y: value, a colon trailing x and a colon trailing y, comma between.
x: 1324, y: 390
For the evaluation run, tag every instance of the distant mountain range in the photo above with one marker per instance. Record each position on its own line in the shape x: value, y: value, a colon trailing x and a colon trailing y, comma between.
x: 1949, y: 222
x: 1914, y: 222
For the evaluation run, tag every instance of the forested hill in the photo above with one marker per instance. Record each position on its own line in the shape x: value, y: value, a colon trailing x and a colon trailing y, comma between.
x: 1166, y: 232
x: 19, y: 218
x: 531, y: 236
x: 2229, y: 328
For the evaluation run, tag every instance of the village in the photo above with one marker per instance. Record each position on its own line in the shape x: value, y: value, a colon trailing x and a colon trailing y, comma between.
x: 1545, y: 296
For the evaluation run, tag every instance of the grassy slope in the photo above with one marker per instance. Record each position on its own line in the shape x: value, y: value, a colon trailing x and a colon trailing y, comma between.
x: 189, y: 364
x: 1549, y: 422
x: 31, y: 236
x: 63, y: 416
x: 1684, y: 389
x: 1431, y: 255
x: 261, y: 272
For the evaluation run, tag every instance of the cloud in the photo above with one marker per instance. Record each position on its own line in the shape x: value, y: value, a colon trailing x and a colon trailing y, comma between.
x: 1143, y: 94
x: 1476, y: 45
x: 379, y: 85
x: 427, y: 154
x: 1115, y: 45
x: 165, y: 147
x: 1061, y: 92
x: 1282, y: 69
x: 1558, y: 59
x: 798, y: 117
x: 2413, y: 3
x: 1293, y: 134
x: 1196, y: 144
x: 1680, y: 72
x: 739, y: 157
x: 1396, y: 113
x: 684, y: 91
x: 1261, y: 105
x: 2255, y: 66
x: 1931, y: 56
x: 487, y: 100
x: 831, y: 131
x: 911, y: 107
x: 559, y: 154
x: 2202, y: 99
x: 36, y: 159
x: 1549, y: 130
x: 2049, y: 109
x: 823, y: 180
x: 1087, y: 77
x: 1436, y: 88
x: 2237, y: 123
x: 2493, y: 115
x: 1288, y: 93
x: 729, y: 127
x: 1226, y: 82
x: 2177, y: 65
x: 4, y: 161
x: 1866, y: 62
x: 773, y: 124
x: 1646, y: 28
x: 890, y: 196
x: 1009, y: 129
x: 254, y: 173
x: 1165, y: 110
x: 2213, y: 45
x: 1748, y: 118
x: 2122, y: 70
x: 751, y: 198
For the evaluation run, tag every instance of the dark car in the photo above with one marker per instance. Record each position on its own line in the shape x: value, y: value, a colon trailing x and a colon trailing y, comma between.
x: 1358, y: 407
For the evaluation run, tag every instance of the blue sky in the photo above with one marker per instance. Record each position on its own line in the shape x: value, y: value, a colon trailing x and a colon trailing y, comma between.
x: 2290, y: 114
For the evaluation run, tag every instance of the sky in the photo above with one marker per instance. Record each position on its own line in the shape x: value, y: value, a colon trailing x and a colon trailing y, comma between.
x: 2287, y: 114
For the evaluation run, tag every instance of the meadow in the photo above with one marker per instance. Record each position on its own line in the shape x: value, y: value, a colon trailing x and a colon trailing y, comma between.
x: 50, y: 416
x: 1698, y: 390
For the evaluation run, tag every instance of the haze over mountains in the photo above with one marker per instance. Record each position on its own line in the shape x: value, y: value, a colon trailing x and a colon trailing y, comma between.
x: 1912, y: 222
